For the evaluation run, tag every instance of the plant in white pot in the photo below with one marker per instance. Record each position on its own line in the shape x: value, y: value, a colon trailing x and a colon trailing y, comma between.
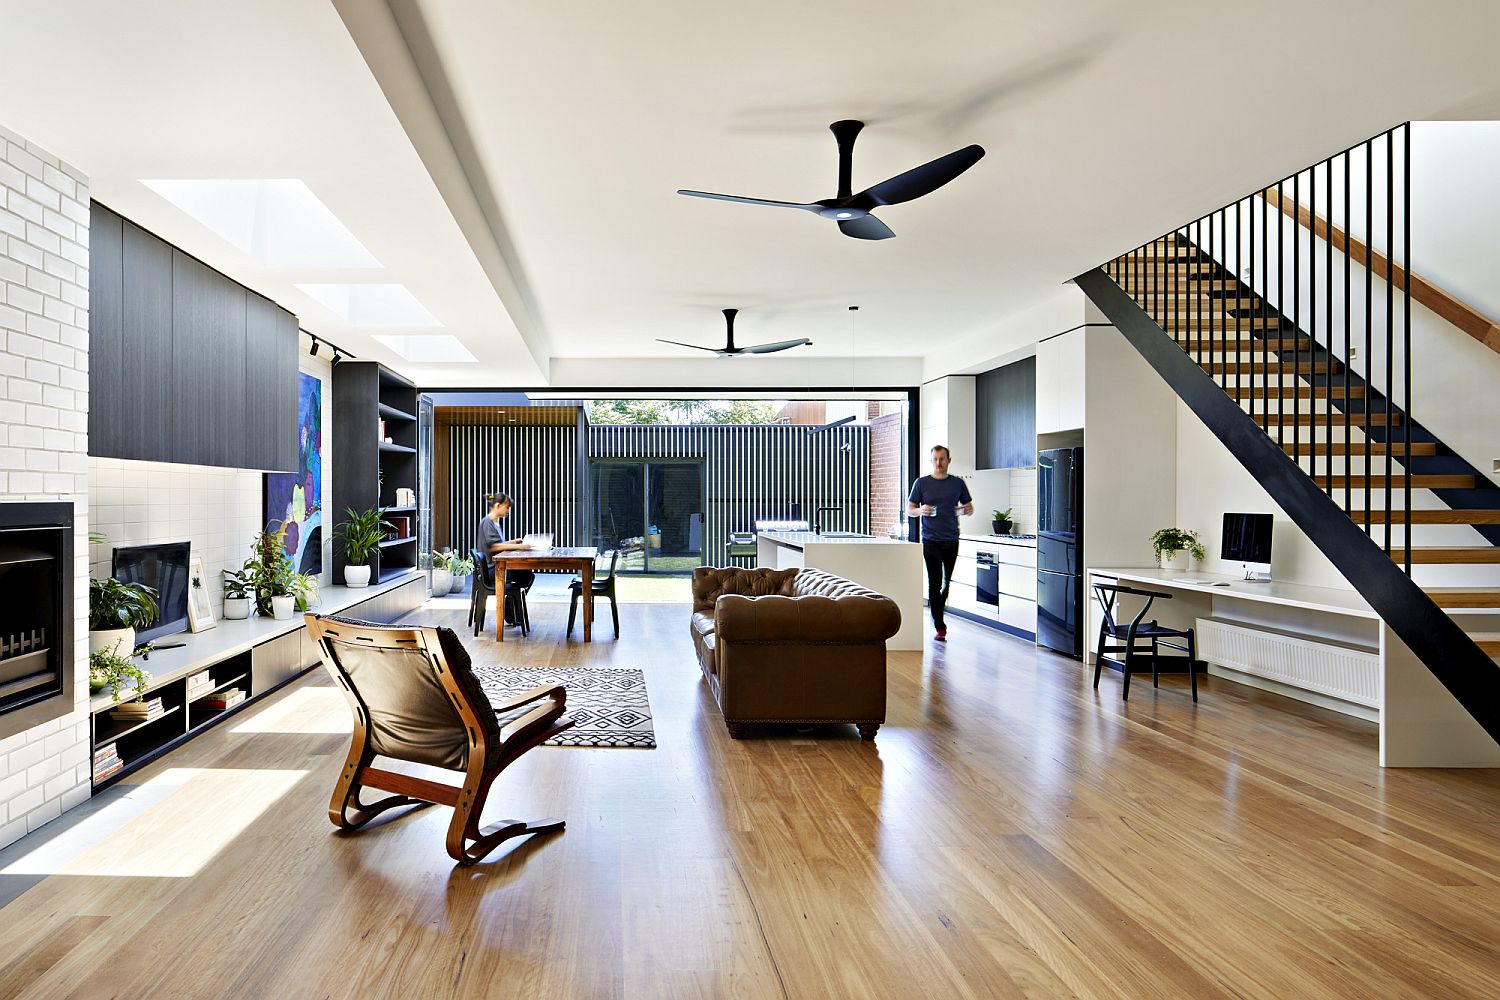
x: 1173, y: 546
x: 275, y: 583
x: 238, y: 589
x: 116, y: 610
x: 108, y: 669
x: 361, y: 534
x: 442, y: 572
x: 463, y: 568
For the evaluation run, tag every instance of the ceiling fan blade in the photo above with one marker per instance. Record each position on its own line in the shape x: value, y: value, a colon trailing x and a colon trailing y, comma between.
x: 866, y: 228
x: 780, y: 345
x: 696, y: 347
x: 749, y: 201
x: 924, y: 179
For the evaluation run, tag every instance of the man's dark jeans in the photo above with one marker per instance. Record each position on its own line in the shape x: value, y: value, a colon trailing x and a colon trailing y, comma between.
x: 940, y: 558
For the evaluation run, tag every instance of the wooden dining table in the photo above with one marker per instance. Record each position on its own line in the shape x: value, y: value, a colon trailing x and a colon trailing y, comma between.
x: 580, y: 558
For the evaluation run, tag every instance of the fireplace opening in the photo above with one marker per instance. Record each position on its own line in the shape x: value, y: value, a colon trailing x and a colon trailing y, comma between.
x: 36, y: 614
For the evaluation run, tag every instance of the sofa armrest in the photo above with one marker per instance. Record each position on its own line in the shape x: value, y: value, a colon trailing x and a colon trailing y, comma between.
x: 852, y: 619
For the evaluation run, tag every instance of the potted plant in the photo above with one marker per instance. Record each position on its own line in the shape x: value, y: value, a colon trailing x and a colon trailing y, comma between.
x: 116, y: 610
x: 275, y: 583
x: 108, y: 668
x: 238, y: 588
x: 361, y: 534
x: 1170, y: 544
x: 442, y: 572
x: 1000, y: 521
x: 462, y: 567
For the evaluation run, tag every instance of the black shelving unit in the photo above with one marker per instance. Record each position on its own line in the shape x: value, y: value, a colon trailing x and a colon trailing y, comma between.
x: 367, y: 469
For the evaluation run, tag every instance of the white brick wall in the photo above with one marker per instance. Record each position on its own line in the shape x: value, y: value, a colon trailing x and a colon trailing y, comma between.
x: 44, y: 388
x: 1023, y: 500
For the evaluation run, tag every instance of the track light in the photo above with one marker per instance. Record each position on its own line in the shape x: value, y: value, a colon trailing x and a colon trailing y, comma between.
x: 337, y: 357
x: 314, y: 352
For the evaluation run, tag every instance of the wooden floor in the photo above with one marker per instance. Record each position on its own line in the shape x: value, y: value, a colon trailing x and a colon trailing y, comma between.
x: 1011, y: 833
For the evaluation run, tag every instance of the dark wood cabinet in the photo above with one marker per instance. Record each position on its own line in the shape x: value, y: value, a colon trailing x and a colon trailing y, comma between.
x: 368, y: 471
x: 1005, y: 414
x: 186, y: 365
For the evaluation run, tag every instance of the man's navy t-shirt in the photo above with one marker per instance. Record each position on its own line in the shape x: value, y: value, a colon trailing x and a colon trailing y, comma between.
x: 944, y: 494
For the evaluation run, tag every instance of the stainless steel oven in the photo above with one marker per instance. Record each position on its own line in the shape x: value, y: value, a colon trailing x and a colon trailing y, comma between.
x: 987, y: 578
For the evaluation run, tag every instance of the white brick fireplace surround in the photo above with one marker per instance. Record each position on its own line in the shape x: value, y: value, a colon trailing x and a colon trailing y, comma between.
x: 44, y: 389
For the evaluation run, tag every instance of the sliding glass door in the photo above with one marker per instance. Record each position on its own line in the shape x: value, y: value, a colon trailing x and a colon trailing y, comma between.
x: 651, y: 511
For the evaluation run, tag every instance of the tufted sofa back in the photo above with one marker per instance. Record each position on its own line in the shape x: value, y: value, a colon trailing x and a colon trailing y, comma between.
x: 710, y: 582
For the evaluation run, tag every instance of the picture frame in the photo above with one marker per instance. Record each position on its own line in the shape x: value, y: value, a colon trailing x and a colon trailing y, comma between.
x: 200, y: 603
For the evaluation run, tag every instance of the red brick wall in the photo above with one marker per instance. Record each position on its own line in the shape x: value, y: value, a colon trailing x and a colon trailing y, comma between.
x: 887, y: 492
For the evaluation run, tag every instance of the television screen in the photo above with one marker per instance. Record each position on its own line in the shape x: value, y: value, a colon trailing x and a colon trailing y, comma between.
x: 164, y: 568
x: 1247, y: 538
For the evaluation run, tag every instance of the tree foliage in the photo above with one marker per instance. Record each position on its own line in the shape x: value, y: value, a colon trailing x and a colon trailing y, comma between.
x: 681, y: 411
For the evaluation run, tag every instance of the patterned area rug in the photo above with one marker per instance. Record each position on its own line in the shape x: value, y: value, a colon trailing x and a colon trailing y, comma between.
x: 608, y: 706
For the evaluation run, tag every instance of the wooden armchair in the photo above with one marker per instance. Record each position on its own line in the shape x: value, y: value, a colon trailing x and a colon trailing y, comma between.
x: 415, y: 698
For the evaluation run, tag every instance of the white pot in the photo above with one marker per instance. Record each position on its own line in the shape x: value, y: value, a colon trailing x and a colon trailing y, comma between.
x: 236, y: 608
x: 121, y: 640
x: 442, y: 581
x: 458, y: 583
x: 282, y: 607
x: 357, y: 576
x: 1175, y: 560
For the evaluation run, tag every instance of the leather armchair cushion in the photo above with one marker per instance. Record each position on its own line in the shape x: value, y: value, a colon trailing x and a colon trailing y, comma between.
x: 710, y: 582
x: 703, y: 624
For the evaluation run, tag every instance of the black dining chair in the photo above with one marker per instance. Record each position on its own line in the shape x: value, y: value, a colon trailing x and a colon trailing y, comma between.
x: 604, y: 586
x: 1139, y: 638
x: 483, y: 589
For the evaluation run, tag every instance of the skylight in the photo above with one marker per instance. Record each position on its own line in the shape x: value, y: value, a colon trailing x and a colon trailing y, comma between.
x: 372, y: 305
x: 280, y: 223
x: 438, y: 348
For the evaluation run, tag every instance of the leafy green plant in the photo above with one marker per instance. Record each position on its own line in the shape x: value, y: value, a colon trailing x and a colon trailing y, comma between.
x: 444, y: 560
x: 1174, y: 540
x: 361, y: 533
x: 270, y: 569
x: 238, y: 583
x: 461, y: 565
x: 113, y: 604
x: 1001, y: 515
x: 109, y: 669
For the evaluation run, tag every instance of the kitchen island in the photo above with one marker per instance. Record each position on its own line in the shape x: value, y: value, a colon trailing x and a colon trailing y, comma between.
x: 885, y: 565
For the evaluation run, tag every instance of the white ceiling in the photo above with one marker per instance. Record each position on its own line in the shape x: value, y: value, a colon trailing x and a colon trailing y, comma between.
x: 514, y: 164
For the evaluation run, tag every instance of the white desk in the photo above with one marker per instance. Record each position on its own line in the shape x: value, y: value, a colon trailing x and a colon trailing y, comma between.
x: 1321, y: 645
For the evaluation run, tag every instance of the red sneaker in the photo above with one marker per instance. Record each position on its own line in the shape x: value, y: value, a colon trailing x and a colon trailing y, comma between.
x: 942, y: 635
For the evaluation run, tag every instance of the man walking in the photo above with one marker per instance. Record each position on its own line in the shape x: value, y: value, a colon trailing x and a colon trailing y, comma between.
x: 938, y: 499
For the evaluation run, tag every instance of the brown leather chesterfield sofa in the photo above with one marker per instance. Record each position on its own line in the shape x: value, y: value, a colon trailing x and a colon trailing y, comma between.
x: 792, y: 646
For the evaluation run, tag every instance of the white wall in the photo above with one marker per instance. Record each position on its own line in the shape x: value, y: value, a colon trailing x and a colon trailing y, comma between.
x: 44, y: 218
x: 219, y: 511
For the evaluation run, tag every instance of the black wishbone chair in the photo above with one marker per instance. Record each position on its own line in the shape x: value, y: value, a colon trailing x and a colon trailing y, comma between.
x: 1139, y: 638
x: 415, y: 698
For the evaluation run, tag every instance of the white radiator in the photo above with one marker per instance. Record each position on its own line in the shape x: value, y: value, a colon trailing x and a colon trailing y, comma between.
x: 1338, y: 670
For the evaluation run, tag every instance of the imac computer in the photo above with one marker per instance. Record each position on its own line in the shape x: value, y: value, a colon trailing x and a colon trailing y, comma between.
x: 1247, y: 541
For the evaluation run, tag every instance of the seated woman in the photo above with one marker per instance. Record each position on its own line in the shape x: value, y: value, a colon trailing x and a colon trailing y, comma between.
x: 492, y: 540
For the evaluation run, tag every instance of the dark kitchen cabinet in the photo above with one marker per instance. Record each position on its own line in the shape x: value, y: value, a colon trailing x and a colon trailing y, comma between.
x: 1005, y: 414
x: 186, y: 365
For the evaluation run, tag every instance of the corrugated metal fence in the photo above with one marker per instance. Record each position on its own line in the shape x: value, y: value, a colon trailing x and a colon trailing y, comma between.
x: 750, y: 471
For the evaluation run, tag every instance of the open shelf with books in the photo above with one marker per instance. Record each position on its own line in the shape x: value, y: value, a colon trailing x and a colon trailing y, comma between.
x: 375, y: 458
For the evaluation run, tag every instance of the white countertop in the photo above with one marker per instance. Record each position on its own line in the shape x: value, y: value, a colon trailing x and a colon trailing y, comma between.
x: 801, y: 539
x: 1296, y: 595
x: 999, y: 540
x: 230, y: 638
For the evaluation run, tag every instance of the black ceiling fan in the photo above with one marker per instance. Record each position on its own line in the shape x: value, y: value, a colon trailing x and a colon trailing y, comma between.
x: 852, y: 211
x: 731, y: 351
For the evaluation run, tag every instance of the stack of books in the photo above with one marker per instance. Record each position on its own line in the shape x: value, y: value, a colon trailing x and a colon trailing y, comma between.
x: 220, y: 700
x: 106, y: 762
x: 139, y: 711
x: 199, y: 684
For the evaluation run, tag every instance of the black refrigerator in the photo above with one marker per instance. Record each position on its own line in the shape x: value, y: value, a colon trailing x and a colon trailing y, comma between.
x: 1059, y: 551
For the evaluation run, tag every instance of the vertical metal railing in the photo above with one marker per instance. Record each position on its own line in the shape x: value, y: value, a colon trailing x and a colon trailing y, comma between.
x: 1213, y: 285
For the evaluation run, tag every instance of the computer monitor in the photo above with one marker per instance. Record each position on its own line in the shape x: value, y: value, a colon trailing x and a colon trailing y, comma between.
x: 1247, y: 541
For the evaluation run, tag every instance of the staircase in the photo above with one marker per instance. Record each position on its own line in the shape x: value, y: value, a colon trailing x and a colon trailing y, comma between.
x: 1342, y: 459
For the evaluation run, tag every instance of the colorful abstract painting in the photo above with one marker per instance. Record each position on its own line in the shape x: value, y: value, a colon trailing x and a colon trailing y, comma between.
x: 296, y: 498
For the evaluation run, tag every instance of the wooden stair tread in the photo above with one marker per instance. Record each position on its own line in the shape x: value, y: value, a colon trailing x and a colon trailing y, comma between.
x: 1356, y: 422
x: 1441, y: 515
x: 1398, y: 481
x: 1433, y: 555
x: 1275, y: 345
x: 1487, y: 641
x: 1356, y: 449
x: 1463, y: 597
x: 1303, y: 392
x: 1262, y: 368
